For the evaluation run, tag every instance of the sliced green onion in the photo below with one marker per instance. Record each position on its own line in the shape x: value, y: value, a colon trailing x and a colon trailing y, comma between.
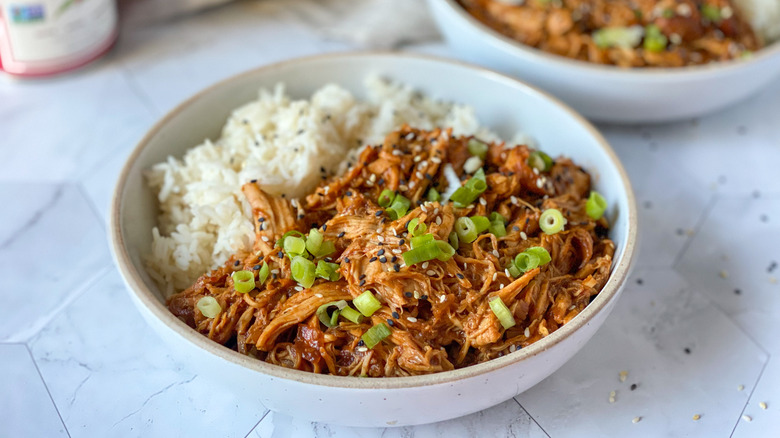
x: 454, y: 240
x: 497, y: 217
x: 375, y: 335
x: 303, y: 271
x: 422, y: 253
x: 280, y: 242
x: 469, y: 192
x: 552, y: 221
x: 502, y: 312
x: 541, y: 253
x: 327, y: 248
x: 243, y: 281
x: 481, y: 223
x: 526, y: 261
x: 668, y: 13
x: 624, y: 37
x: 352, y: 315
x: 466, y: 229
x: 595, y: 206
x: 655, y: 41
x: 478, y: 148
x: 262, y: 274
x: 513, y: 271
x: 314, y: 241
x: 332, y: 319
x: 434, y: 195
x: 416, y: 227
x: 209, y: 307
x: 497, y: 229
x: 385, y: 198
x: 711, y: 12
x: 294, y: 246
x: 399, y: 207
x: 446, y: 251
x: 328, y: 271
x: 367, y: 303
x: 540, y: 161
x: 414, y: 242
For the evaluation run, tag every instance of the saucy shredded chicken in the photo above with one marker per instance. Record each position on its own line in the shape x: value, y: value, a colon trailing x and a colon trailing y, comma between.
x: 438, y: 312
x: 627, y: 33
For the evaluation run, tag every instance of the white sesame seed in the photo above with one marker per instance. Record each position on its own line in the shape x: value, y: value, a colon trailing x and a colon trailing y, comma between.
x: 623, y: 376
x: 327, y: 188
x: 572, y: 307
x: 495, y: 275
x: 723, y: 274
x: 403, y: 188
x: 536, y: 171
x: 612, y: 396
x: 416, y: 295
x: 675, y: 38
x: 539, y: 183
x: 318, y: 295
x: 380, y: 238
x: 397, y: 152
x: 438, y: 220
x: 514, y: 200
x: 423, y: 165
x: 506, y: 272
x: 747, y: 418
x: 740, y: 387
x: 431, y: 273
x: 425, y: 265
x: 684, y: 9
x: 726, y: 13
x: 422, y: 207
x: 298, y: 288
x: 436, y: 160
x: 482, y: 201
x: 527, y: 332
x: 696, y: 417
x: 512, y: 348
x: 411, y: 319
x: 417, y: 159
x: 419, y: 175
x: 265, y: 239
x: 372, y: 177
x: 523, y: 235
x: 442, y: 298
x: 436, y: 210
x: 410, y: 136
x: 396, y: 251
x: 501, y: 286
x: 495, y: 253
x: 362, y: 349
x: 762, y: 405
x: 274, y: 271
x: 636, y: 420
x: 412, y: 184
x: 369, y: 184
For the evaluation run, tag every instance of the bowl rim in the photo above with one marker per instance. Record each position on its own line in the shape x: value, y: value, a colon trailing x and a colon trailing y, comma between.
x: 145, y: 296
x: 690, y: 72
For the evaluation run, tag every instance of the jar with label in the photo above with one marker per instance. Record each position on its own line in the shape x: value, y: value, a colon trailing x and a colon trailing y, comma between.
x: 45, y: 37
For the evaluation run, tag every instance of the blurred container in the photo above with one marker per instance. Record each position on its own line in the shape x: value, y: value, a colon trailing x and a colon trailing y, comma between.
x: 46, y: 37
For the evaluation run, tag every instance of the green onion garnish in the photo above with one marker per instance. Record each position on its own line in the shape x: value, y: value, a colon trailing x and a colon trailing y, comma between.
x: 526, y: 261
x: 434, y: 195
x: 541, y: 253
x: 422, y: 253
x: 446, y: 250
x: 375, y: 335
x: 552, y: 221
x: 478, y: 148
x: 668, y: 13
x: 595, y: 206
x: 352, y: 315
x: 497, y: 224
x: 399, y: 207
x: 711, y: 12
x: 385, y: 198
x: 481, y: 223
x: 513, y: 271
x: 540, y: 161
x: 280, y: 242
x: 414, y: 242
x: 262, y: 274
x: 367, y: 303
x: 625, y: 37
x: 209, y: 307
x: 416, y: 227
x: 466, y: 229
x: 497, y: 217
x: 303, y: 271
x: 332, y: 319
x: 502, y: 312
x: 328, y: 271
x: 469, y: 192
x: 243, y: 281
x: 294, y: 246
x: 327, y: 248
x: 655, y: 41
x: 314, y: 241
x: 454, y: 240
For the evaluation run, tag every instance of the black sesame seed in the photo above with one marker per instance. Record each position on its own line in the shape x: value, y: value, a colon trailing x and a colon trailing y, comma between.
x: 680, y: 232
x: 381, y: 252
x: 383, y: 259
x: 639, y: 281
x: 401, y: 242
x: 253, y: 181
x: 362, y: 282
x: 349, y: 193
x: 341, y: 234
x: 362, y: 276
x: 396, y: 315
x: 515, y: 228
x: 346, y: 259
x: 378, y: 213
x: 325, y: 227
x: 687, y: 350
x: 397, y: 267
x: 361, y: 343
x: 459, y: 275
x: 633, y: 386
x: 738, y: 291
x: 238, y: 262
x: 262, y: 219
x: 314, y: 225
x: 424, y: 297
x: 372, y: 259
x: 408, y: 294
x: 280, y: 254
x: 390, y: 322
x: 274, y: 276
x: 300, y: 131
x: 322, y: 169
x: 300, y: 216
x: 392, y: 260
x: 381, y: 181
x: 256, y: 267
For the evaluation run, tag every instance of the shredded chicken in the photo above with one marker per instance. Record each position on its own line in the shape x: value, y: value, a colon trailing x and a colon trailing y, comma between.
x: 694, y: 31
x: 437, y: 311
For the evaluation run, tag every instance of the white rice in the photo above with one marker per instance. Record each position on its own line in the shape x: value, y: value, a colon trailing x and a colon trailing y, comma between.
x: 282, y: 143
x: 763, y: 15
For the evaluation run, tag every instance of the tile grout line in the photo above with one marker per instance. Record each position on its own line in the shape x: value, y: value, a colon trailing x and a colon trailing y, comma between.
x: 267, y: 411
x: 704, y: 215
x: 92, y: 205
x: 140, y: 94
x: 530, y: 416
x: 750, y: 396
x: 38, y: 370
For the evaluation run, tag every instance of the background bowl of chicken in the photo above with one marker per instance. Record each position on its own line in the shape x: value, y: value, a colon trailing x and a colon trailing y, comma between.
x: 503, y: 104
x: 607, y: 93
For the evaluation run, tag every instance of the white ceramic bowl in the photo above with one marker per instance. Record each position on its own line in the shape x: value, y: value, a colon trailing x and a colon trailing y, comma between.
x: 603, y: 92
x: 502, y: 103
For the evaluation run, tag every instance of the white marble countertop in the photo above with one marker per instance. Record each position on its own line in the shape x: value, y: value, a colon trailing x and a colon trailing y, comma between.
x: 696, y: 328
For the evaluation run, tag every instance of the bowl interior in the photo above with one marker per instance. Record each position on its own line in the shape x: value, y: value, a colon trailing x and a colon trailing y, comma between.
x: 504, y: 104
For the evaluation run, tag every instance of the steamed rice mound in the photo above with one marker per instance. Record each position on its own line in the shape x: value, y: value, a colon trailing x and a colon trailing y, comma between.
x: 286, y: 145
